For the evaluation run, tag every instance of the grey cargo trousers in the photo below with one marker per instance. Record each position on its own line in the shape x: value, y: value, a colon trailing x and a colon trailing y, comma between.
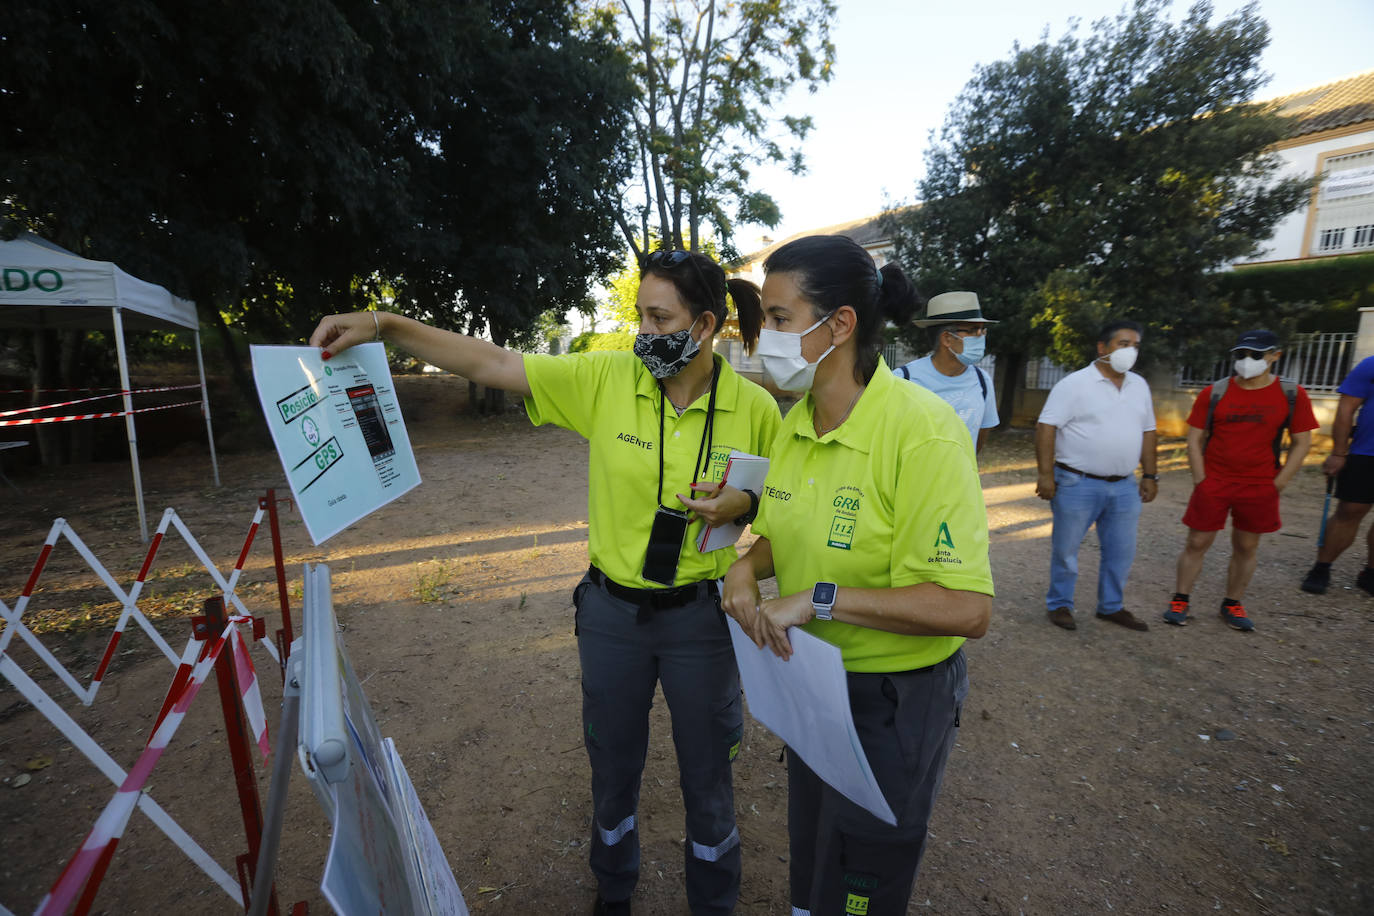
x: 624, y: 654
x: 845, y: 860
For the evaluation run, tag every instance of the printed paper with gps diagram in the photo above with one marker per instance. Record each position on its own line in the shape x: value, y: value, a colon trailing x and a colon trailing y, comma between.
x: 338, y: 430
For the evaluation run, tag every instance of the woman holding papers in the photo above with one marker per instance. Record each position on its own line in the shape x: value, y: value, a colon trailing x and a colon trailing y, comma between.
x: 661, y: 423
x: 873, y: 522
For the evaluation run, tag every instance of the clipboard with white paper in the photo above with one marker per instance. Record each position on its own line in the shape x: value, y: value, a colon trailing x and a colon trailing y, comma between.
x: 743, y: 471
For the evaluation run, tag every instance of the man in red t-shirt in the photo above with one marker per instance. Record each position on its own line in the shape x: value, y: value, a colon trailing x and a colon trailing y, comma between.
x: 1236, y: 469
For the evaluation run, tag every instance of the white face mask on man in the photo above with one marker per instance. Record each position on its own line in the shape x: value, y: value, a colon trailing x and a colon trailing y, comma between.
x: 780, y: 352
x: 1123, y: 359
x: 1249, y: 367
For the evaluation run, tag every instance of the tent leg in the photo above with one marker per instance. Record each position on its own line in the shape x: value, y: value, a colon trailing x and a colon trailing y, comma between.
x: 205, y: 409
x: 129, y: 422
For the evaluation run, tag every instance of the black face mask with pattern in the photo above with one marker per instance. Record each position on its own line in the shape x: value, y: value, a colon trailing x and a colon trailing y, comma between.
x: 665, y: 355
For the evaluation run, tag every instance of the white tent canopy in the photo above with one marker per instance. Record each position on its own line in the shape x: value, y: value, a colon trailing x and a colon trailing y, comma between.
x: 43, y: 286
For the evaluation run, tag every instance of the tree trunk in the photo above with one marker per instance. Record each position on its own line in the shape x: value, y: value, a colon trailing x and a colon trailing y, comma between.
x: 237, y: 365
x: 1013, y: 380
x: 51, y: 444
x: 80, y: 434
x: 475, y: 403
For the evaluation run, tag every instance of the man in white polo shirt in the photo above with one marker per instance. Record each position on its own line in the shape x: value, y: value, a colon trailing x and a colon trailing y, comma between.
x: 1097, y: 425
x: 958, y: 333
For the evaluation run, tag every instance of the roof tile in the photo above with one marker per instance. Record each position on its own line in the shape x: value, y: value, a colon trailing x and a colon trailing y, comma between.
x: 1330, y: 106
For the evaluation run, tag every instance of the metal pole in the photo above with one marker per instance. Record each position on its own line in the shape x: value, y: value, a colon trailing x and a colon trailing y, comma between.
x: 235, y: 731
x: 205, y: 409
x: 1326, y: 508
x: 264, y: 874
x: 283, y: 596
x: 129, y: 421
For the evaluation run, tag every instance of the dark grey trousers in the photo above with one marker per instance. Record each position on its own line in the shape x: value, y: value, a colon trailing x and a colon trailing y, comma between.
x: 688, y: 651
x: 844, y: 860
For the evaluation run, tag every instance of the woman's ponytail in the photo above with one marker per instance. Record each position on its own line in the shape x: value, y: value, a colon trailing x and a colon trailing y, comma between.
x: 748, y: 309
x: 898, y: 298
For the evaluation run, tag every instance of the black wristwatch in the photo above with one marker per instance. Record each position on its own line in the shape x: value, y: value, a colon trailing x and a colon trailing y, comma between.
x: 1154, y: 477
x: 753, y: 512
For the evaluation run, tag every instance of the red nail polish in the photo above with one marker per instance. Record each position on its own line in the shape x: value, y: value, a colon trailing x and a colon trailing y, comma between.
x: 324, y: 354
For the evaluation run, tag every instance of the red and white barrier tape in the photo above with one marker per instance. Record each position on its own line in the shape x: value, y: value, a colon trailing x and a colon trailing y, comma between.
x: 109, y: 827
x: 115, y: 390
x: 99, y: 397
x: 250, y: 693
x: 50, y: 390
x: 34, y: 421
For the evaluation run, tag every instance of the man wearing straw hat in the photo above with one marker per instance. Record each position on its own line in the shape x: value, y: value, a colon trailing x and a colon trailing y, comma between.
x: 958, y: 333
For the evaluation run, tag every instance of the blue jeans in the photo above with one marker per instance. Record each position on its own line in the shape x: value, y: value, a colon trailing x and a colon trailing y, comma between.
x: 1079, y: 503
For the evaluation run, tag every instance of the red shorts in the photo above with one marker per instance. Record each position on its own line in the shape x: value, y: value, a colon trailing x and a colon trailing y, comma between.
x: 1253, y: 505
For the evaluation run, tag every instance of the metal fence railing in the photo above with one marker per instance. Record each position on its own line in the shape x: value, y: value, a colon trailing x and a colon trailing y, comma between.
x: 1042, y: 373
x: 896, y: 354
x: 1317, y: 362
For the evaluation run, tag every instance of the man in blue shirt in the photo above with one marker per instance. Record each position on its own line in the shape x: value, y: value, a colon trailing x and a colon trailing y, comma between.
x: 1351, y: 462
x: 959, y: 333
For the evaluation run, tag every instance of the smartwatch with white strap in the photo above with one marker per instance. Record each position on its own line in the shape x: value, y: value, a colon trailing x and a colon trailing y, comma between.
x: 823, y: 599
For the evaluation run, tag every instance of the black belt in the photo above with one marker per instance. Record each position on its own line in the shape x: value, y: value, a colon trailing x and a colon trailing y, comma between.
x: 1113, y: 479
x: 652, y: 600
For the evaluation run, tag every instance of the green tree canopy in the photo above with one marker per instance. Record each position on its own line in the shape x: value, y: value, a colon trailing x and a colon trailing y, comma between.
x: 1105, y: 177
x: 277, y: 161
x: 708, y: 74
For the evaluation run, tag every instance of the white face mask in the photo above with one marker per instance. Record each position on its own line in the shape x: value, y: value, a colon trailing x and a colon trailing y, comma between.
x: 782, y: 358
x: 1122, y: 360
x: 1251, y: 367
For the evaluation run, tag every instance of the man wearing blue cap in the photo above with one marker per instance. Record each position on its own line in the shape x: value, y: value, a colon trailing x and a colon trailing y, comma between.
x: 1235, y: 438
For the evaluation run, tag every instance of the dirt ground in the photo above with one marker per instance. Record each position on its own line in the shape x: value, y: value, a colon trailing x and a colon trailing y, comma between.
x: 1090, y: 776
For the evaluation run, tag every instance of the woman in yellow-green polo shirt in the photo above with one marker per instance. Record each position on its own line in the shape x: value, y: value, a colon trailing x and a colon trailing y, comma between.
x: 872, y: 519
x: 661, y: 423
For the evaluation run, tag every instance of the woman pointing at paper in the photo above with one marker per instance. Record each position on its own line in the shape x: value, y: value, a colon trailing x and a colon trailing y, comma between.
x: 873, y: 522
x: 661, y: 423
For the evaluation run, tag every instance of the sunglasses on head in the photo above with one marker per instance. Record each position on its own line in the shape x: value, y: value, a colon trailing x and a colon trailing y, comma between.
x: 1250, y: 354
x: 669, y: 259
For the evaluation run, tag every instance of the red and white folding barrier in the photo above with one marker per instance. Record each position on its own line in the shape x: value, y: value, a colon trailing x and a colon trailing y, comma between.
x: 201, y: 652
x: 13, y: 617
x: 83, y: 742
x: 109, y: 827
x: 129, y: 600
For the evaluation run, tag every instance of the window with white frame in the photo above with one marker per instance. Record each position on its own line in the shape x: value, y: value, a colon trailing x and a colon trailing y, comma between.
x: 1331, y: 240
x: 1345, y: 204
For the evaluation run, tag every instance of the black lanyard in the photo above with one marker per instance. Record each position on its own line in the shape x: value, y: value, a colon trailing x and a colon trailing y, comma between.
x: 707, y: 430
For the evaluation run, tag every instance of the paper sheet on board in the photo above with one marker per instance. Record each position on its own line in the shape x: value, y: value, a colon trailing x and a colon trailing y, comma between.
x: 365, y: 872
x: 743, y: 471
x: 805, y: 702
x: 338, y: 430
x: 438, y: 886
